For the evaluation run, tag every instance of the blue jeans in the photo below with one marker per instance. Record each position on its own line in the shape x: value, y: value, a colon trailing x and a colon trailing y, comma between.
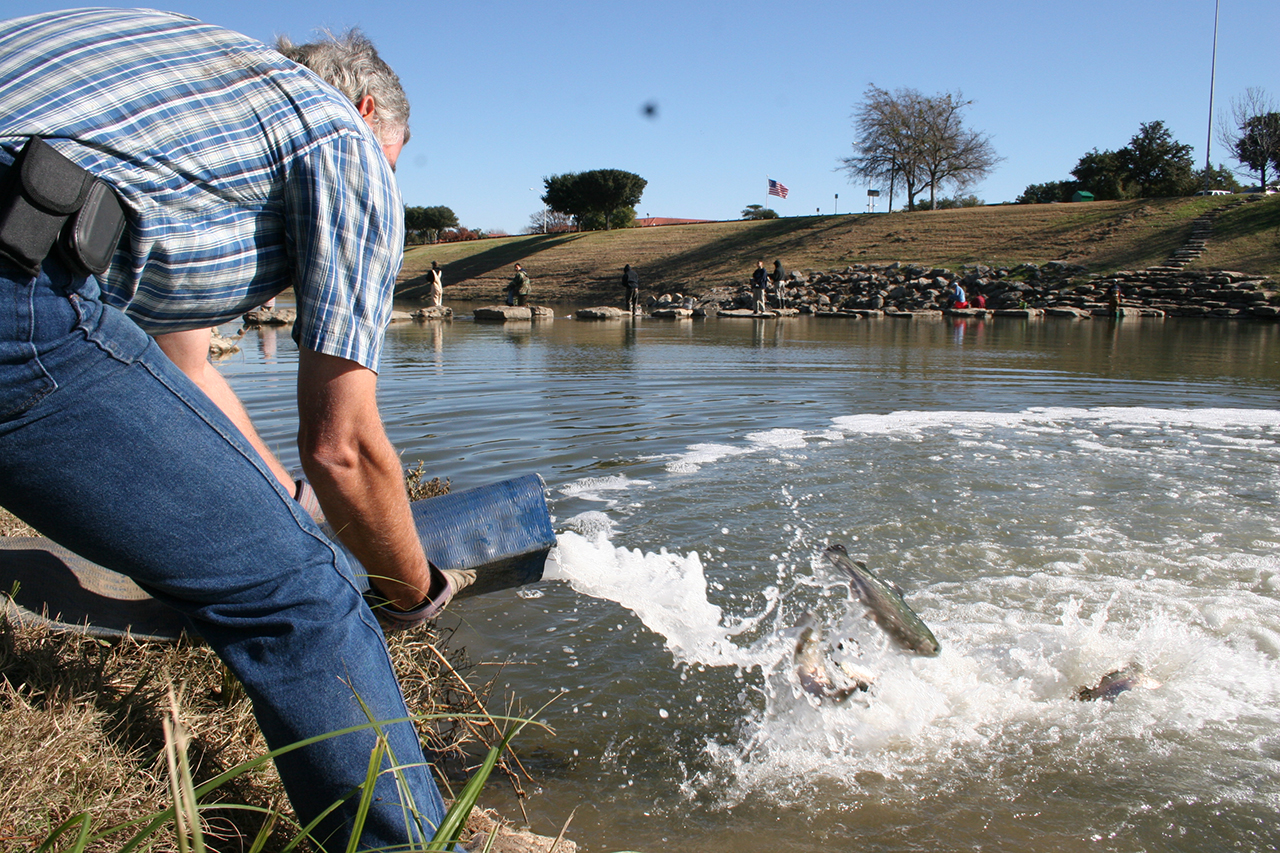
x: 110, y: 450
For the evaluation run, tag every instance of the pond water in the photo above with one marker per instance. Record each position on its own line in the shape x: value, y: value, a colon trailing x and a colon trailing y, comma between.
x: 1056, y: 499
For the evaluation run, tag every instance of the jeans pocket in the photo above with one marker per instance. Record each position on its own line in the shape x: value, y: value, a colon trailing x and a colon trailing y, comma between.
x: 113, y: 332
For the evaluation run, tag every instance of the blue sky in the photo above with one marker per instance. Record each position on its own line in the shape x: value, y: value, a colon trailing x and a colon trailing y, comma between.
x: 505, y: 93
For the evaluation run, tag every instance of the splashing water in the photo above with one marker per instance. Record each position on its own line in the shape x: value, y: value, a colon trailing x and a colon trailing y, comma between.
x: 1038, y: 596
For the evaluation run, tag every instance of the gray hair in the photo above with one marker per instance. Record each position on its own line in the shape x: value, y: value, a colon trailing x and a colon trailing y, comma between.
x: 351, y: 64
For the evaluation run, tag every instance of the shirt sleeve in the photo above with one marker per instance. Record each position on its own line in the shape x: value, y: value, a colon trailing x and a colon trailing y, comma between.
x: 345, y: 233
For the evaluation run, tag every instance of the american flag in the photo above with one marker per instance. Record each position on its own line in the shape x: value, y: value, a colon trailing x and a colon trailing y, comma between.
x: 777, y: 188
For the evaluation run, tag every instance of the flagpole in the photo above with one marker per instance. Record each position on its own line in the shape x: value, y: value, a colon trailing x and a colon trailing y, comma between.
x: 1213, y: 71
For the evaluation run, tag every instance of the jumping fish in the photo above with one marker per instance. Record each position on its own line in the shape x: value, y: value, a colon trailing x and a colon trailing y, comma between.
x: 885, y: 604
x: 811, y: 668
x: 1116, y: 682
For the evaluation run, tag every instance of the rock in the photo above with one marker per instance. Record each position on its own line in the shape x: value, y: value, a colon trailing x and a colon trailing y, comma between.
x: 672, y: 313
x: 1064, y: 311
x: 481, y: 824
x: 220, y: 346
x: 602, y: 312
x: 434, y: 312
x: 542, y: 312
x: 502, y: 313
x: 400, y: 317
x: 270, y: 317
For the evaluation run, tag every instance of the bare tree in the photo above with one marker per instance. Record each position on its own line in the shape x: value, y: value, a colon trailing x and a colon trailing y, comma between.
x: 883, y: 151
x: 920, y: 140
x: 952, y: 153
x: 1252, y: 133
x: 547, y: 221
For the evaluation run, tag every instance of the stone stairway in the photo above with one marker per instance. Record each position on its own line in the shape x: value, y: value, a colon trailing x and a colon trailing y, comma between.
x: 1198, y: 239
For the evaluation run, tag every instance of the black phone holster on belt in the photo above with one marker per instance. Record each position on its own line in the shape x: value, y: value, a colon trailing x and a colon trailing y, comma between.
x: 49, y: 201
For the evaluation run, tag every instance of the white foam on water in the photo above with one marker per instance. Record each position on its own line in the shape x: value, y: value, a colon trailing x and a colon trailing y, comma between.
x: 973, y: 429
x: 698, y: 455
x: 600, y: 489
x: 667, y: 592
x: 1063, y: 417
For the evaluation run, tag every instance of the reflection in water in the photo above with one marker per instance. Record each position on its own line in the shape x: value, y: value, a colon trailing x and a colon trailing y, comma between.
x: 267, y: 342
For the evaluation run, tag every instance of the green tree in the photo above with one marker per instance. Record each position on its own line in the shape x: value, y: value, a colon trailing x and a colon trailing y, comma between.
x: 958, y: 201
x: 622, y: 217
x: 429, y: 220
x: 1259, y: 146
x: 1101, y: 173
x: 758, y: 211
x: 1156, y: 163
x: 1219, y: 178
x: 1047, y: 193
x: 603, y: 195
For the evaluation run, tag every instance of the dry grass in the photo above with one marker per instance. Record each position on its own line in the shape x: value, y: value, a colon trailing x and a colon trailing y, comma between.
x: 81, y: 724
x: 80, y: 719
x: 87, y: 713
x: 12, y: 526
x: 1103, y: 236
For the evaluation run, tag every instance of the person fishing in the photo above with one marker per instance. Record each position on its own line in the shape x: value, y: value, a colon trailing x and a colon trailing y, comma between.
x: 778, y: 278
x: 759, y: 284
x: 631, y: 284
x: 233, y: 172
x: 518, y: 288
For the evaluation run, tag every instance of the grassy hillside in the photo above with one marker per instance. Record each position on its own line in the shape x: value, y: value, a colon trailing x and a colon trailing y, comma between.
x: 1103, y: 236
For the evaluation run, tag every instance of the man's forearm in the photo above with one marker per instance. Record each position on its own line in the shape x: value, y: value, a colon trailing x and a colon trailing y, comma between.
x: 190, y: 352
x: 357, y: 475
x: 363, y: 495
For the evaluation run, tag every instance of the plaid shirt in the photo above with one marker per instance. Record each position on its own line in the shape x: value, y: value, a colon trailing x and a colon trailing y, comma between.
x: 243, y: 174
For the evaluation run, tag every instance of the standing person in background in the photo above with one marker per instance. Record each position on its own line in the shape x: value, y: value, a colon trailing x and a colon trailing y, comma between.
x: 778, y: 277
x: 435, y: 278
x: 107, y: 117
x: 631, y: 283
x: 759, y: 283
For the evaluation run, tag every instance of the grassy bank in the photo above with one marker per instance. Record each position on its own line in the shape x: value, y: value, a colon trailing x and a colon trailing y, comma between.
x: 1103, y: 236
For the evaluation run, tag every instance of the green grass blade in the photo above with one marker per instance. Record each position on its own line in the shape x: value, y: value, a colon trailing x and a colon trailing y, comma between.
x: 81, y: 839
x: 264, y: 833
x: 450, y: 829
x: 366, y: 794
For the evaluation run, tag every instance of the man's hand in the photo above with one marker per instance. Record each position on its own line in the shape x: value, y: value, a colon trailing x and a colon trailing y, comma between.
x: 357, y: 475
